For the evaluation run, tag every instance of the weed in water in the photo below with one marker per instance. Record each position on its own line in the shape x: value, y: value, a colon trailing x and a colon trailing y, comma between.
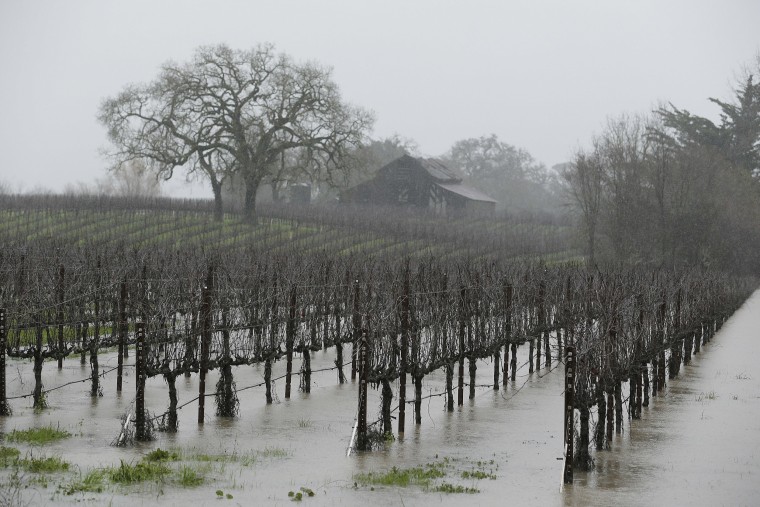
x: 478, y: 474
x: 307, y: 491
x: 189, y: 477
x: 8, y: 456
x: 446, y: 487
x: 272, y: 452
x: 37, y: 436
x: 161, y: 455
x: 304, y: 423
x: 127, y: 473
x: 418, y: 476
x: 91, y: 483
x: 43, y: 465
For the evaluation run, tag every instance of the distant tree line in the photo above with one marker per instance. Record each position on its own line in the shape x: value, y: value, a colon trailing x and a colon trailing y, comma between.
x: 673, y: 188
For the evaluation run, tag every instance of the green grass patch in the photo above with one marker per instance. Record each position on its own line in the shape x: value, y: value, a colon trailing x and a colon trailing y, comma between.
x: 127, y: 473
x: 161, y: 455
x: 189, y: 477
x: 446, y: 487
x: 478, y: 475
x: 43, y: 465
x: 90, y: 483
x: 8, y: 456
x: 273, y: 452
x: 416, y: 476
x: 37, y: 436
x: 431, y: 477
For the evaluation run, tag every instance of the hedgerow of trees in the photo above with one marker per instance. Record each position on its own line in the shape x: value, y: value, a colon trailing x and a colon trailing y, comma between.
x: 673, y: 188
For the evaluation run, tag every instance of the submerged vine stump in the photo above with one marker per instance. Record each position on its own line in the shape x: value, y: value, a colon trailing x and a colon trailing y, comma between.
x: 140, y: 429
x: 362, y: 442
x: 4, y: 409
x: 569, y: 433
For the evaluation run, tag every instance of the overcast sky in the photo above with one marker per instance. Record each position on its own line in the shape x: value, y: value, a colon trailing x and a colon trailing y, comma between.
x: 541, y: 75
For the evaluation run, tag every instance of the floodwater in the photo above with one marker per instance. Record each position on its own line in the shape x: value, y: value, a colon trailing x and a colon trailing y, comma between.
x: 696, y: 445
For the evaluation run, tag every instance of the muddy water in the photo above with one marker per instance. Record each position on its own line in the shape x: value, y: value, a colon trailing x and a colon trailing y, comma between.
x: 698, y: 444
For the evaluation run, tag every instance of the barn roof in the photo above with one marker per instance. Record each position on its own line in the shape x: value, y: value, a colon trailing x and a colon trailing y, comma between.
x: 438, y: 170
x: 466, y: 192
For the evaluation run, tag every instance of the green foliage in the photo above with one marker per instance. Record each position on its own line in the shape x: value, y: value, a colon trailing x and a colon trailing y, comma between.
x: 37, y: 436
x: 8, y: 456
x: 417, y: 476
x: 161, y: 455
x: 446, y: 487
x: 189, y: 476
x: 127, y: 473
x: 478, y: 474
x: 91, y: 483
x: 43, y: 464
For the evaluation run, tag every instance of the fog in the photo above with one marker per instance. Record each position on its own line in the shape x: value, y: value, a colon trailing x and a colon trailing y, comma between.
x: 542, y: 76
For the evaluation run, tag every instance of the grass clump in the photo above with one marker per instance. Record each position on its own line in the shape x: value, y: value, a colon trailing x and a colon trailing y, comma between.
x: 417, y: 476
x: 446, y: 487
x: 43, y: 465
x: 8, y: 456
x: 189, y: 477
x: 478, y: 474
x: 272, y: 452
x: 160, y: 455
x: 37, y: 436
x: 91, y: 483
x: 127, y: 473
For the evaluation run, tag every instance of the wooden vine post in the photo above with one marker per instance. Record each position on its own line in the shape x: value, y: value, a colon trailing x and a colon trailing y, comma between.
x: 3, y: 341
x: 59, y: 315
x: 569, y: 419
x: 140, y: 372
x: 357, y: 322
x: 404, y: 355
x: 122, y: 334
x: 462, y: 329
x: 290, y: 332
x: 205, y: 341
x: 363, y: 360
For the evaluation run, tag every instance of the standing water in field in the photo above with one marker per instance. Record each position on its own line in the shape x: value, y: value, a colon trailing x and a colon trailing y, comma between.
x: 700, y: 443
x: 697, y: 444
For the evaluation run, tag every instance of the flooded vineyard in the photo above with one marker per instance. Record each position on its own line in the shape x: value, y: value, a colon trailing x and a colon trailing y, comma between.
x: 701, y: 436
x: 175, y: 373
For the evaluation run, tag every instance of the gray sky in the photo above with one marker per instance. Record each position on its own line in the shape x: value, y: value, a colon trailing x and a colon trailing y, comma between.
x: 542, y: 75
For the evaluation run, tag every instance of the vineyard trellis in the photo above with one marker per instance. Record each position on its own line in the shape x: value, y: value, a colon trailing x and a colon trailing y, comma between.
x: 196, y: 310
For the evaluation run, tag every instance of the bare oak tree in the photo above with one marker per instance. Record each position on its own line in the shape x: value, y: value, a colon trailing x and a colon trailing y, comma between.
x: 229, y: 112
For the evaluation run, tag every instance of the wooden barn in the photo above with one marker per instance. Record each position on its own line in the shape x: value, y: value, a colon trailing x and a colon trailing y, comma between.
x: 420, y: 183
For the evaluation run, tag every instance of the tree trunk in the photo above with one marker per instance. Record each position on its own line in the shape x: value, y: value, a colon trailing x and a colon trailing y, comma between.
x: 531, y: 350
x: 39, y: 399
x: 418, y: 400
x: 645, y: 386
x: 306, y: 371
x: 581, y: 453
x: 268, y: 379
x: 249, y: 206
x: 601, y: 404
x: 610, y: 415
x: 450, y: 387
x: 216, y: 187
x: 171, y: 425
x: 513, y: 363
x: 496, y: 365
x: 387, y: 400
